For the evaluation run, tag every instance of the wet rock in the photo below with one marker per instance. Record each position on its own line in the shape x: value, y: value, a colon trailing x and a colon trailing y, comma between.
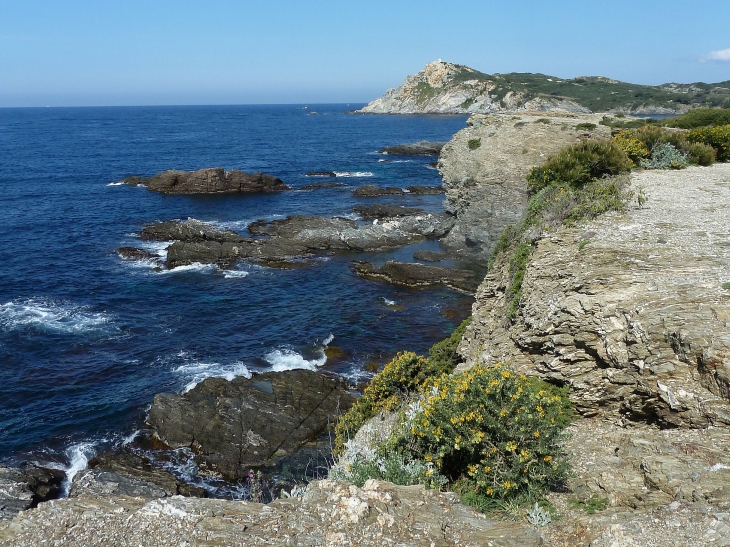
x: 371, y: 212
x: 322, y: 185
x: 214, y: 180
x: 126, y: 474
x: 243, y: 423
x: 430, y: 256
x: 412, y: 274
x: 420, y: 148
x: 133, y: 253
x: 22, y: 489
x: 321, y: 174
x: 291, y: 239
x: 370, y: 190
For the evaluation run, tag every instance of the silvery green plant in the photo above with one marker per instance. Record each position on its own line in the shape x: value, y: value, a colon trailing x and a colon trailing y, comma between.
x: 537, y: 516
x: 665, y: 156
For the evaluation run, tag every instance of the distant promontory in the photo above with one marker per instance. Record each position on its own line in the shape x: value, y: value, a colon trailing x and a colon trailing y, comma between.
x: 447, y: 88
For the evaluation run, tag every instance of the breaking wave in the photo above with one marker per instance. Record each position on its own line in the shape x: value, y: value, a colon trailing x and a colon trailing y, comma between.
x: 50, y: 316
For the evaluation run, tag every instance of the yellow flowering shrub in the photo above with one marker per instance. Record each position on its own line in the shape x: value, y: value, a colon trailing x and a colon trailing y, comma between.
x: 494, y: 433
x: 400, y: 378
x: 634, y: 148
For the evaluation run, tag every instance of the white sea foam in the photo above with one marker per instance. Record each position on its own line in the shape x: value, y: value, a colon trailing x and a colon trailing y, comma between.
x: 234, y: 274
x: 240, y: 225
x: 354, y: 173
x: 78, y: 456
x: 129, y: 438
x: 288, y: 359
x: 430, y: 167
x: 120, y: 183
x: 388, y: 302
x: 198, y: 371
x: 194, y: 267
x: 50, y: 316
x: 395, y: 161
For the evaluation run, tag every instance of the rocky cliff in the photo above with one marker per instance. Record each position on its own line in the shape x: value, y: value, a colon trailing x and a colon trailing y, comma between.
x: 484, y: 168
x: 447, y: 88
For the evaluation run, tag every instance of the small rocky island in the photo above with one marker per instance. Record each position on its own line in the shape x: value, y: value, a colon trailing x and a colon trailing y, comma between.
x: 214, y: 180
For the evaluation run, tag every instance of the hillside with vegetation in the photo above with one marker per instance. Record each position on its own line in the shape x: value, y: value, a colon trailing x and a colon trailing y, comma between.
x: 446, y: 88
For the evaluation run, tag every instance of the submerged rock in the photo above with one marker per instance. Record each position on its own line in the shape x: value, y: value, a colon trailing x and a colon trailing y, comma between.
x: 214, y: 180
x: 321, y: 174
x: 242, y: 423
x: 430, y: 256
x: 370, y: 190
x: 322, y: 185
x: 133, y: 253
x: 420, y: 148
x: 413, y: 274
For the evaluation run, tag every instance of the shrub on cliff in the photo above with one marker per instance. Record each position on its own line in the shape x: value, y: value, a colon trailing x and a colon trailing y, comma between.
x: 700, y: 117
x: 495, y: 435
x: 399, y: 379
x: 578, y: 164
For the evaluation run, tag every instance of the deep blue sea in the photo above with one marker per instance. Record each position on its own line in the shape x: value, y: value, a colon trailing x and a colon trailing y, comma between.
x: 87, y: 339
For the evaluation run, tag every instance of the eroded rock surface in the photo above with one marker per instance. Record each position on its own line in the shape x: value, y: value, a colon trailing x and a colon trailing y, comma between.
x: 236, y: 424
x: 628, y: 310
x: 23, y: 488
x: 214, y: 180
x: 329, y: 513
x: 485, y: 185
x: 380, y: 211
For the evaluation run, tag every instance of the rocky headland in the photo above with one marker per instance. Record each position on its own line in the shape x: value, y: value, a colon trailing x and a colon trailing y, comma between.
x: 214, y: 180
x: 447, y: 88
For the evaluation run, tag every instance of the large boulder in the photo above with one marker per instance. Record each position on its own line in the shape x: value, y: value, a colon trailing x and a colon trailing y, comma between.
x: 242, y: 423
x: 484, y: 168
x: 21, y: 489
x: 214, y: 180
x: 420, y: 148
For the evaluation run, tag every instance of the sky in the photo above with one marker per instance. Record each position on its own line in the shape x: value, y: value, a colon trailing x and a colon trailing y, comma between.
x: 153, y: 52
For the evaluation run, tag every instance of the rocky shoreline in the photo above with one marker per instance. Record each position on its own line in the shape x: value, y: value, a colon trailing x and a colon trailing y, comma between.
x: 630, y: 311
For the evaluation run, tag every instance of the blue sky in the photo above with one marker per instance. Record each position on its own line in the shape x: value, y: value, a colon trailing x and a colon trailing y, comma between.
x: 73, y: 52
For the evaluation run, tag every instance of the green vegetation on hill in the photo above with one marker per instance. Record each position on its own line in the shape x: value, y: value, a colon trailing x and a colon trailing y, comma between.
x: 597, y: 93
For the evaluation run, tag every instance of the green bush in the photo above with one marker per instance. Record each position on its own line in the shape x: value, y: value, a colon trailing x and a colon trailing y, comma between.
x: 517, y: 266
x: 442, y: 356
x: 700, y: 117
x: 579, y: 164
x: 587, y: 126
x: 717, y: 137
x: 357, y: 467
x: 474, y: 143
x: 701, y: 154
x: 495, y: 434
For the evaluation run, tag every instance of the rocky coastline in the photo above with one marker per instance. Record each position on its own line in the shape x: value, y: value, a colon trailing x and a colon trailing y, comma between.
x: 213, y: 180
x: 630, y: 311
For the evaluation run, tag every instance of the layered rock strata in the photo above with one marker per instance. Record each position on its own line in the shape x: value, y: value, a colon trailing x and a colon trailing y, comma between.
x: 629, y: 310
x: 214, y: 180
x: 484, y: 168
x: 413, y: 274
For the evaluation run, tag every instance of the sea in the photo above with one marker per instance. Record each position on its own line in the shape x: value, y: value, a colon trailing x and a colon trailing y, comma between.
x: 87, y: 338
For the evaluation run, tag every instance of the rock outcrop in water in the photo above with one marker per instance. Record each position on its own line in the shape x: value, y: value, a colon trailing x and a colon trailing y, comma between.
x: 209, y: 181
x: 370, y: 190
x: 484, y: 168
x: 234, y: 425
x: 290, y: 239
x: 420, y: 148
x: 413, y: 274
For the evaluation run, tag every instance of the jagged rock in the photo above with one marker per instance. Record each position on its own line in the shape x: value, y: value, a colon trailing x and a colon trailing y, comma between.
x: 236, y: 424
x: 330, y: 514
x: 370, y: 190
x: 413, y: 274
x: 628, y: 310
x: 430, y: 256
x: 126, y: 474
x: 322, y: 185
x: 485, y: 187
x: 371, y: 212
x: 420, y: 148
x: 209, y: 181
x: 21, y: 489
